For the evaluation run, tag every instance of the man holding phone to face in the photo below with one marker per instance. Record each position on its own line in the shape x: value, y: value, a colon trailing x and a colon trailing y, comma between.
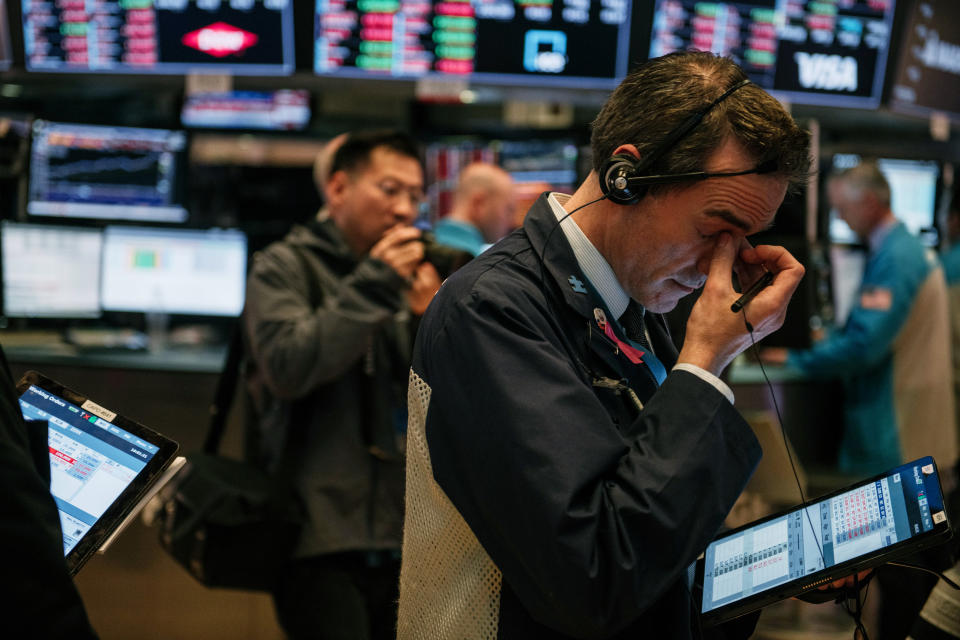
x: 330, y: 316
x: 565, y: 465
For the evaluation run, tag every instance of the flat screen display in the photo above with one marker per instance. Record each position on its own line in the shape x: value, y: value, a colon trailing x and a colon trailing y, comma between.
x: 927, y: 77
x: 270, y: 110
x: 805, y: 51
x: 50, y: 271
x: 913, y: 196
x: 553, y: 162
x: 101, y: 463
x: 885, y: 517
x: 112, y: 173
x: 572, y: 43
x: 241, y: 37
x: 177, y: 271
x: 91, y: 460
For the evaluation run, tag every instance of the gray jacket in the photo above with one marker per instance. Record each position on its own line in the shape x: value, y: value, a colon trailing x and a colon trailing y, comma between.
x: 328, y: 361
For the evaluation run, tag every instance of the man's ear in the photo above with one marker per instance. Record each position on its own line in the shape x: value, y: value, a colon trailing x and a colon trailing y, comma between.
x: 336, y: 187
x: 627, y: 149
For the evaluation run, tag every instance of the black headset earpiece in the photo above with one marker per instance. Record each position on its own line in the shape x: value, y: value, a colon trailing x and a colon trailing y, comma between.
x: 615, y: 177
x: 621, y: 176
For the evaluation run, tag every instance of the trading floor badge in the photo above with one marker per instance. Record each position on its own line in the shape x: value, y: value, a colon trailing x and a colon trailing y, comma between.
x: 577, y: 284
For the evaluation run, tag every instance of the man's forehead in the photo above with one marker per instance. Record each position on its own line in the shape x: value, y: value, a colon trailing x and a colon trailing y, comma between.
x: 387, y: 163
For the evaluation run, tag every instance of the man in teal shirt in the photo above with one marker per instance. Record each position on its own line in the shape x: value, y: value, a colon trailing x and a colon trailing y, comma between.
x: 483, y: 209
x: 893, y: 352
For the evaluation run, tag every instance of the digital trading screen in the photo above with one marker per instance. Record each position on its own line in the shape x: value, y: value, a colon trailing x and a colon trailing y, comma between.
x: 913, y: 196
x: 807, y: 51
x: 249, y: 37
x: 928, y: 74
x: 283, y: 110
x: 91, y: 460
x: 578, y: 43
x: 179, y: 271
x: 826, y: 533
x: 553, y: 162
x: 50, y: 271
x: 118, y: 173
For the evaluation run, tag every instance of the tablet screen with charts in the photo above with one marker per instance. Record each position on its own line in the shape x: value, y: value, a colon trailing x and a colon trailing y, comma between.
x: 861, y: 526
x: 101, y: 463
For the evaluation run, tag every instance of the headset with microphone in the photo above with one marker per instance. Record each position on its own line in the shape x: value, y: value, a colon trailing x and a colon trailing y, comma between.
x: 621, y: 177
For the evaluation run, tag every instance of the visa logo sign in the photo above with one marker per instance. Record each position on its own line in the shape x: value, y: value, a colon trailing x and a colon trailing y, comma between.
x: 822, y: 71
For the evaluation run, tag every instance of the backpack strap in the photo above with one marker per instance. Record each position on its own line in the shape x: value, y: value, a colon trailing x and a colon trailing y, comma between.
x: 227, y: 385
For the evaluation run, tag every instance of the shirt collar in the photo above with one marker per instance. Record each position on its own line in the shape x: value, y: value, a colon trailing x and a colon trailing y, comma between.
x: 878, y: 235
x: 594, y: 266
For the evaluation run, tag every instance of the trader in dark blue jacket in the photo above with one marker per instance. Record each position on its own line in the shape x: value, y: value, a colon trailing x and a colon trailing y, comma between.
x: 37, y: 597
x: 565, y: 466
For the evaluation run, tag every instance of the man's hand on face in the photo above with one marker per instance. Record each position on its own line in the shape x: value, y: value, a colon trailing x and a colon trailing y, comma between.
x: 400, y: 250
x: 715, y: 334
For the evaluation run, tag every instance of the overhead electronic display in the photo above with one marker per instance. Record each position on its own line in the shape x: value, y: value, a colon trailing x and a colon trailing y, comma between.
x: 243, y: 37
x: 806, y: 51
x: 112, y: 173
x: 562, y: 43
x: 928, y: 73
x: 283, y: 110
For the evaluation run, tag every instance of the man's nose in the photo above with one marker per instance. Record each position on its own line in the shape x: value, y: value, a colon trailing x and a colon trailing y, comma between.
x: 405, y: 208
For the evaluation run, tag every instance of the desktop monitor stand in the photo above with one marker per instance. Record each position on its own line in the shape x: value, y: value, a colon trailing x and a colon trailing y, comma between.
x: 158, y: 331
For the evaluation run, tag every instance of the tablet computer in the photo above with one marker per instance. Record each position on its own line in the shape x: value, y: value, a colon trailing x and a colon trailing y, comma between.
x: 883, y: 518
x: 101, y: 463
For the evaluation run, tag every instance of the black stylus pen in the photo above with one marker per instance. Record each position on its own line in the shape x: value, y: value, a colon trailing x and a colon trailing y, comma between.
x: 752, y: 291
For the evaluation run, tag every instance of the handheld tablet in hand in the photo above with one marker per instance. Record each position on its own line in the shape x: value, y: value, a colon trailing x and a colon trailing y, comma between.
x: 861, y: 526
x: 101, y: 463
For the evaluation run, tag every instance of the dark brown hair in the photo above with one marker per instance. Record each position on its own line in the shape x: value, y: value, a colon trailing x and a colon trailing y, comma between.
x: 660, y: 94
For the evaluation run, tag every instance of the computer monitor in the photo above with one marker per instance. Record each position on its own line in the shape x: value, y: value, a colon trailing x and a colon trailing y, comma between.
x: 284, y: 110
x: 240, y: 37
x: 826, y: 53
x: 496, y: 42
x: 551, y: 162
x: 913, y: 196
x: 111, y: 173
x: 174, y: 271
x: 927, y: 75
x: 50, y: 271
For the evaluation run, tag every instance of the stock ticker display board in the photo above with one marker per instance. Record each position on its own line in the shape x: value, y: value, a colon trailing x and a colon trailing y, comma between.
x: 249, y: 37
x: 563, y: 43
x: 829, y: 52
x: 928, y: 74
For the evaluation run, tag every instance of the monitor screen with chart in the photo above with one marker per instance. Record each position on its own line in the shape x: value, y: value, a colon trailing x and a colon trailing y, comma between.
x: 50, y: 271
x: 106, y: 172
x: 174, y: 271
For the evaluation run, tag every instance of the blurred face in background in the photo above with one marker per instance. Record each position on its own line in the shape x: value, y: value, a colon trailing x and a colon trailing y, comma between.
x: 857, y: 207
x: 499, y: 211
x: 377, y: 196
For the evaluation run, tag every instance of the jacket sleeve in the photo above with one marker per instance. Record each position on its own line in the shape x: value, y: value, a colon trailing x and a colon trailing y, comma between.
x: 589, y: 521
x: 873, y: 323
x: 298, y: 348
x: 38, y: 592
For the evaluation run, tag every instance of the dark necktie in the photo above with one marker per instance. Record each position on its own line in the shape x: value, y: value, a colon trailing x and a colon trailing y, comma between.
x: 632, y: 323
